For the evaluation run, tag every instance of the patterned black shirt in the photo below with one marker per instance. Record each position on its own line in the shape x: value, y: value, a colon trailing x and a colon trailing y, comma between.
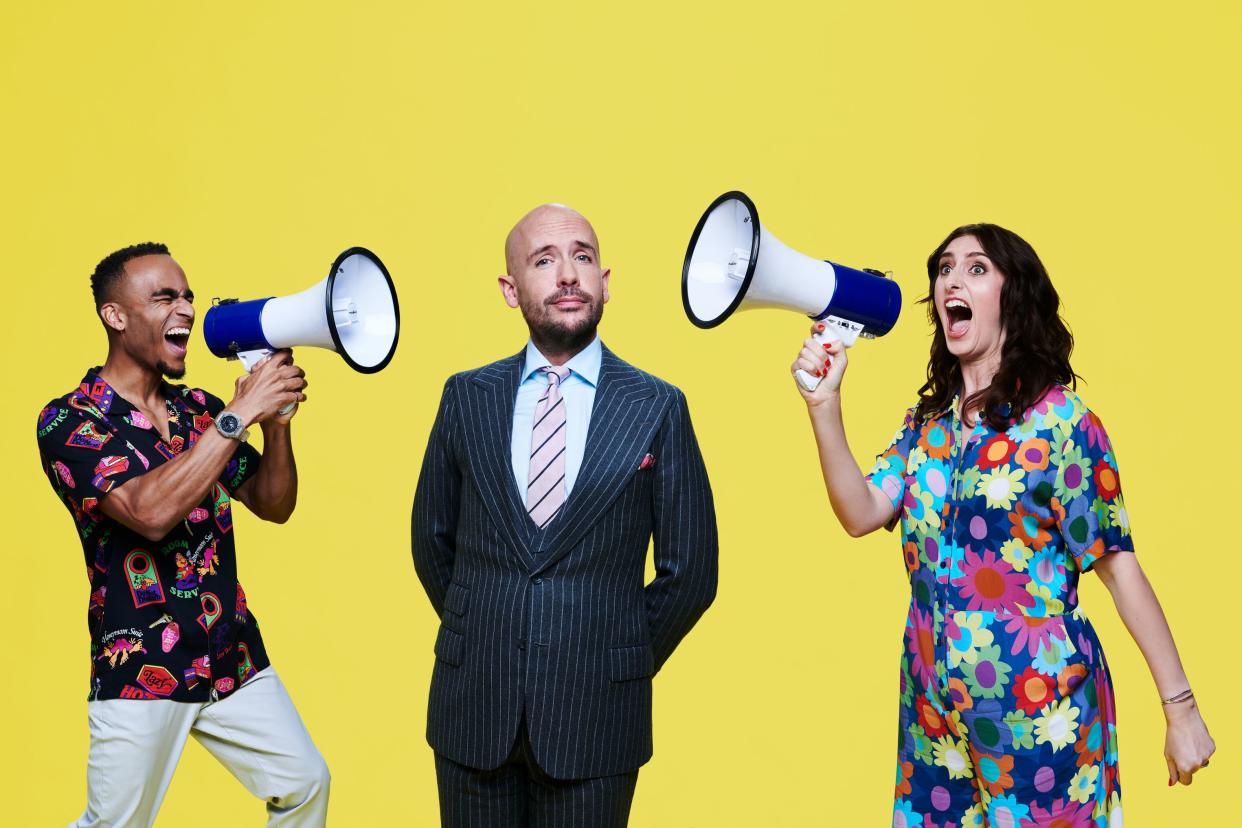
x: 167, y: 619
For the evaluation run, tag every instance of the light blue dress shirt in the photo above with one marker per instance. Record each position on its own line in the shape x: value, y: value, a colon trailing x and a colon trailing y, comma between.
x: 578, y: 391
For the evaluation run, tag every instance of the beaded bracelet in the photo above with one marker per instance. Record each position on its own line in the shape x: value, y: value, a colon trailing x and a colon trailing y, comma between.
x: 1180, y: 697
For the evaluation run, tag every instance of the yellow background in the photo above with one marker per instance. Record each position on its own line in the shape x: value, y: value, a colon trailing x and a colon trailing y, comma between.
x: 259, y: 139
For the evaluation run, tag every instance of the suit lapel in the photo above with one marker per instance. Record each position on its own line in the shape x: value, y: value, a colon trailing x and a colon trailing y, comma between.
x: 624, y: 417
x: 489, y: 424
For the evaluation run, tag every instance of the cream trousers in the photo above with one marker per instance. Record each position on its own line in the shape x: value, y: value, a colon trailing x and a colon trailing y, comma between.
x: 256, y: 733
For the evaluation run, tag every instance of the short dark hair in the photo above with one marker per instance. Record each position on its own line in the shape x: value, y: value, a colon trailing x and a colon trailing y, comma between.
x: 1036, y: 353
x: 110, y: 269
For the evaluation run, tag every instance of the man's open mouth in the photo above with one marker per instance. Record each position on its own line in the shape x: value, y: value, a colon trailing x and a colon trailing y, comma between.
x: 179, y: 338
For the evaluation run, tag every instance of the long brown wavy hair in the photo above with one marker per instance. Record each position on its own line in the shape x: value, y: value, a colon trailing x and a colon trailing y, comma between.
x: 1037, y: 346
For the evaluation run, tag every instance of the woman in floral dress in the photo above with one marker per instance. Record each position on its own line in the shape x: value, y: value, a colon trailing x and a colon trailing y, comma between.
x: 1006, y: 489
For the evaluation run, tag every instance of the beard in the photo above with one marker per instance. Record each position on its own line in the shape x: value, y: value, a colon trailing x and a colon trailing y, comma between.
x: 167, y: 370
x: 565, y: 335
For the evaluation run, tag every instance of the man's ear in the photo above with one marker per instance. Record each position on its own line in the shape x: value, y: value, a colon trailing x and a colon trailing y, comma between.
x: 508, y: 288
x: 113, y: 316
x: 607, y: 272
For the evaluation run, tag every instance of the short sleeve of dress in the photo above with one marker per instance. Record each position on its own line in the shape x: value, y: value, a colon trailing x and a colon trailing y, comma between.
x: 245, y: 460
x: 889, y: 471
x: 82, y: 456
x: 1087, y: 500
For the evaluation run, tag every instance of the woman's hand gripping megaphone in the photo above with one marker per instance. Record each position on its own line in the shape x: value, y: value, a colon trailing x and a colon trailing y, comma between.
x: 829, y: 332
x: 821, y: 363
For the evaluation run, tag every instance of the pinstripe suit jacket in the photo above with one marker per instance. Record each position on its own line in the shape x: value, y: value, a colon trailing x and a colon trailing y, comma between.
x: 558, y: 623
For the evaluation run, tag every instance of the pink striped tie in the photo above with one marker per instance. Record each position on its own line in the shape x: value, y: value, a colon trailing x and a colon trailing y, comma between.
x: 545, y: 486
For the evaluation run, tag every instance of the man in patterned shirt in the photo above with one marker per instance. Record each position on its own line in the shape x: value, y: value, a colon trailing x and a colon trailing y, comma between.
x: 149, y: 470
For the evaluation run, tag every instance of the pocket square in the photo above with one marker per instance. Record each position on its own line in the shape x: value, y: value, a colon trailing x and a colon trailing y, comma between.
x: 648, y: 462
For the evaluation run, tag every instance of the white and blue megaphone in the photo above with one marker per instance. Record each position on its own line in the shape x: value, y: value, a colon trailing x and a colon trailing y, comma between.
x: 733, y: 263
x: 353, y: 311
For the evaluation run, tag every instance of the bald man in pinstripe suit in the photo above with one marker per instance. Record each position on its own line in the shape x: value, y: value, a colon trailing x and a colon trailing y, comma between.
x: 546, y: 476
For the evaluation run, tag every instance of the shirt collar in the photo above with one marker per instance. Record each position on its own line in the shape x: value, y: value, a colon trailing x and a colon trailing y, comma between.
x: 95, y: 392
x: 585, y: 364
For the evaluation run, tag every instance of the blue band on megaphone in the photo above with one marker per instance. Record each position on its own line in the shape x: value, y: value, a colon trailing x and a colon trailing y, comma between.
x: 233, y: 327
x: 872, y: 301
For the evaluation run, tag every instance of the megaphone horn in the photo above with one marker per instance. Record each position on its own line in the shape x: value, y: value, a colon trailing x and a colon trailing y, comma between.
x: 733, y: 263
x: 352, y: 311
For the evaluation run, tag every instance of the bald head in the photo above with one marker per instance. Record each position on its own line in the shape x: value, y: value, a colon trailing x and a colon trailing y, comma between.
x: 554, y: 276
x: 531, y: 230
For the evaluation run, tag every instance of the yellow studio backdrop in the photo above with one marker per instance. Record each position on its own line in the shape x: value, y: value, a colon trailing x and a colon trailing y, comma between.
x: 258, y: 140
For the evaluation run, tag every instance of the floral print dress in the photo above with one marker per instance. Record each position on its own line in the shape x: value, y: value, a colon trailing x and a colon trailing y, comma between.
x: 1007, y: 716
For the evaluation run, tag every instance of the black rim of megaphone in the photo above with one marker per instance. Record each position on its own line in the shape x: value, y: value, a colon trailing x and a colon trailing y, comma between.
x: 396, y: 312
x: 734, y: 195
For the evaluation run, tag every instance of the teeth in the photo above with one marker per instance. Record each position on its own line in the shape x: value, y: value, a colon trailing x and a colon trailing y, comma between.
x: 177, y: 332
x: 955, y: 303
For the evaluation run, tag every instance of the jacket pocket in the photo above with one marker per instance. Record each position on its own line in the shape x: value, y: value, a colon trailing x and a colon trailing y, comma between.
x: 457, y: 598
x: 448, y: 646
x: 629, y: 663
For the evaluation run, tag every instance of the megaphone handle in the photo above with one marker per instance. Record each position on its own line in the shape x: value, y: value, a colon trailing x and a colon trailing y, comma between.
x: 249, y: 359
x: 807, y: 380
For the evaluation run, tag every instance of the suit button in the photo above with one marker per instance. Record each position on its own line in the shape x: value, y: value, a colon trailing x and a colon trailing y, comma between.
x: 521, y: 643
x: 536, y: 581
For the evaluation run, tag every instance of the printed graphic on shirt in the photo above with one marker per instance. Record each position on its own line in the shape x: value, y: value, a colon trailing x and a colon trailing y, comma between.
x: 200, y: 668
x: 144, y: 580
x: 63, y: 474
x: 211, y: 611
x: 187, y: 578
x: 129, y: 691
x: 157, y: 679
x: 235, y: 473
x: 51, y: 417
x: 239, y: 606
x: 88, y: 436
x: 138, y: 420
x: 223, y: 511
x: 170, y: 634
x: 119, y: 645
x: 245, y: 667
x: 109, y: 466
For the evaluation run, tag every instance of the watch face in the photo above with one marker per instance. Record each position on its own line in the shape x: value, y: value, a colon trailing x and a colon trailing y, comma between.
x: 229, y: 423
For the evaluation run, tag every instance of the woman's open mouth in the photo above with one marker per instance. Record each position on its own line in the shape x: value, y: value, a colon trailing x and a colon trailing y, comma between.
x: 959, y: 315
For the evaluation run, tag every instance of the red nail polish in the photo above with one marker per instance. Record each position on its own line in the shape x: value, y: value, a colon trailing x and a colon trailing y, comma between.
x: 827, y: 347
x: 828, y: 364
x: 820, y: 326
x: 1170, y: 783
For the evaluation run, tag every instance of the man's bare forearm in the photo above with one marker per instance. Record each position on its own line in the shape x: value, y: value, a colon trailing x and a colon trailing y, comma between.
x: 272, y: 494
x: 154, y: 503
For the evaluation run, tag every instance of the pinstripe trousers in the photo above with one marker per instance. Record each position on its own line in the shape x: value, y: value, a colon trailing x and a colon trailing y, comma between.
x: 519, y: 794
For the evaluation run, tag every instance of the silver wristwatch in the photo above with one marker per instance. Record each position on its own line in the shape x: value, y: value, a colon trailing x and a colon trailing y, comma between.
x: 231, y: 426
